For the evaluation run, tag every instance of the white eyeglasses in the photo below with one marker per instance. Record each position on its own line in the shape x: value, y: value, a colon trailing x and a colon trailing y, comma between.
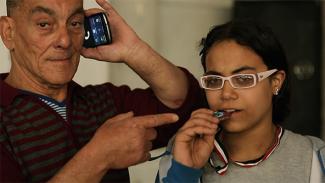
x: 216, y: 82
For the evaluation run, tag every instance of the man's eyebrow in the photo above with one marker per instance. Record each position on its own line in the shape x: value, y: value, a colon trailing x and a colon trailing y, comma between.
x: 79, y: 10
x: 40, y: 9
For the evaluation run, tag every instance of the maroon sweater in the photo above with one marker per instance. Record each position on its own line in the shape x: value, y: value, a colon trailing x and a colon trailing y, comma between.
x: 35, y: 141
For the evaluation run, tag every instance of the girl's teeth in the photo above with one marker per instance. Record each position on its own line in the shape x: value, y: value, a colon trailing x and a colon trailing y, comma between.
x: 219, y: 114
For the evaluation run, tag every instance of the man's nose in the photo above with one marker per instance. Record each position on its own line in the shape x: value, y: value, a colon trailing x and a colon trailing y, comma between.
x: 63, y: 37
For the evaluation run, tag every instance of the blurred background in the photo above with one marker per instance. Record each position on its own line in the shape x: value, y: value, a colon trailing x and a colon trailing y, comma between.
x: 174, y: 28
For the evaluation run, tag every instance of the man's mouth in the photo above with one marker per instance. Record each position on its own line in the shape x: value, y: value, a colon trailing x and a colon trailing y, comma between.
x: 60, y: 60
x: 60, y: 57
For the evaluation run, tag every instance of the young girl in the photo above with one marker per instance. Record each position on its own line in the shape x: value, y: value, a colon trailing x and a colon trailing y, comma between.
x: 246, y: 78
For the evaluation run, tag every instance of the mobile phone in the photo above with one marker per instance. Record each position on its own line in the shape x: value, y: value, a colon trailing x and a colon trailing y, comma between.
x: 97, y: 30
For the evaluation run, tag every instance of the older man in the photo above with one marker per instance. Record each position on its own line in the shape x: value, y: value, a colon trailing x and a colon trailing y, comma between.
x: 52, y: 129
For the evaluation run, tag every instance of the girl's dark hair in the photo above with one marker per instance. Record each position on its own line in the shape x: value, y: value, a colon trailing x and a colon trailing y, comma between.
x: 264, y: 43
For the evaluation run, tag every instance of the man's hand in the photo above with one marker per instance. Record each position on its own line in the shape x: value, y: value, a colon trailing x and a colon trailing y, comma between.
x: 125, y: 40
x: 194, y: 141
x: 125, y: 140
x: 120, y: 142
x: 168, y: 82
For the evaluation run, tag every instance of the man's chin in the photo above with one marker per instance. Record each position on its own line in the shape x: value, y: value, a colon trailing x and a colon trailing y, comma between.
x: 58, y: 83
x: 57, y: 86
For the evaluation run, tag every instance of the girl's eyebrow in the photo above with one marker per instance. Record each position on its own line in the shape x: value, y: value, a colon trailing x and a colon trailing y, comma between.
x: 244, y: 68
x: 212, y: 73
x: 236, y: 71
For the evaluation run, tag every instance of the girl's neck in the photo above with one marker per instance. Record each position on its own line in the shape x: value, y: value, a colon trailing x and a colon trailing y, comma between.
x: 249, y: 145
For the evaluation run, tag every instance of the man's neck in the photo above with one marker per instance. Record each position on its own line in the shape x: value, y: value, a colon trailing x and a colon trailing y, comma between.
x: 58, y: 93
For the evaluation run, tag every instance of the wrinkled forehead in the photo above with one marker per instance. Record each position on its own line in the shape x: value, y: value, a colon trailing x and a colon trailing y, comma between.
x: 59, y: 7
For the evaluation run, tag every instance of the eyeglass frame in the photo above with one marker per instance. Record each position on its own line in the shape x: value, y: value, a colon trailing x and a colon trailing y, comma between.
x: 257, y: 78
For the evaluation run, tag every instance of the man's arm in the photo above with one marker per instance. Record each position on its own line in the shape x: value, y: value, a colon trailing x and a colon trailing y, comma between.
x: 120, y: 142
x: 168, y: 82
x: 9, y: 168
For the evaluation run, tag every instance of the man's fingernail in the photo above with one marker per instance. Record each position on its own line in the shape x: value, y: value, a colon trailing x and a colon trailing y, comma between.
x: 175, y: 117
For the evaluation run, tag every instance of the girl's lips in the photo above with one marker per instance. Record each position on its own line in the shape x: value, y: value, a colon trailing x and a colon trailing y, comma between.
x: 224, y: 114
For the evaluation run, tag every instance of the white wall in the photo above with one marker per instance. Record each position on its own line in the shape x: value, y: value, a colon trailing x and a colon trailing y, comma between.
x: 142, y: 16
x: 4, y: 54
x: 182, y: 25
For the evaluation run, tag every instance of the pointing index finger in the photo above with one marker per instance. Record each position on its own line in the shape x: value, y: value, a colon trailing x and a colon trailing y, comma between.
x: 151, y: 121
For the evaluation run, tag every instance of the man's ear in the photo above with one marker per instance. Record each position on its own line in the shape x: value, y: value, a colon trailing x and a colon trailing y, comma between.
x: 7, y: 30
x: 277, y: 81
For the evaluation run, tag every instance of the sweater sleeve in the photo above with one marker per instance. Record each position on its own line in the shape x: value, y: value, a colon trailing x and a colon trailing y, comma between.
x: 9, y: 169
x: 179, y: 173
x: 170, y: 171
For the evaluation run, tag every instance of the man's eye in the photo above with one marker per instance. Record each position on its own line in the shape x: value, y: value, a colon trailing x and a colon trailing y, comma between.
x: 43, y: 25
x: 76, y: 24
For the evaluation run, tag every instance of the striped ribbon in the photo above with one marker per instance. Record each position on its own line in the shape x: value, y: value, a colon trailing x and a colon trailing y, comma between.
x: 221, y: 165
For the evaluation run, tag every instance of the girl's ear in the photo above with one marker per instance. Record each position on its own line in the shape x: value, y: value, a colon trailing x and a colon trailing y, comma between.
x: 7, y: 30
x: 277, y: 81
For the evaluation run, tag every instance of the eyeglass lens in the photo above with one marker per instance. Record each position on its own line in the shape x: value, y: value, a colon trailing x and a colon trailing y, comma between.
x: 242, y: 81
x: 236, y: 81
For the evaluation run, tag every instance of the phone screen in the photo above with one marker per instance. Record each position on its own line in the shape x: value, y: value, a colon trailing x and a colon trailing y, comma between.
x: 97, y: 30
